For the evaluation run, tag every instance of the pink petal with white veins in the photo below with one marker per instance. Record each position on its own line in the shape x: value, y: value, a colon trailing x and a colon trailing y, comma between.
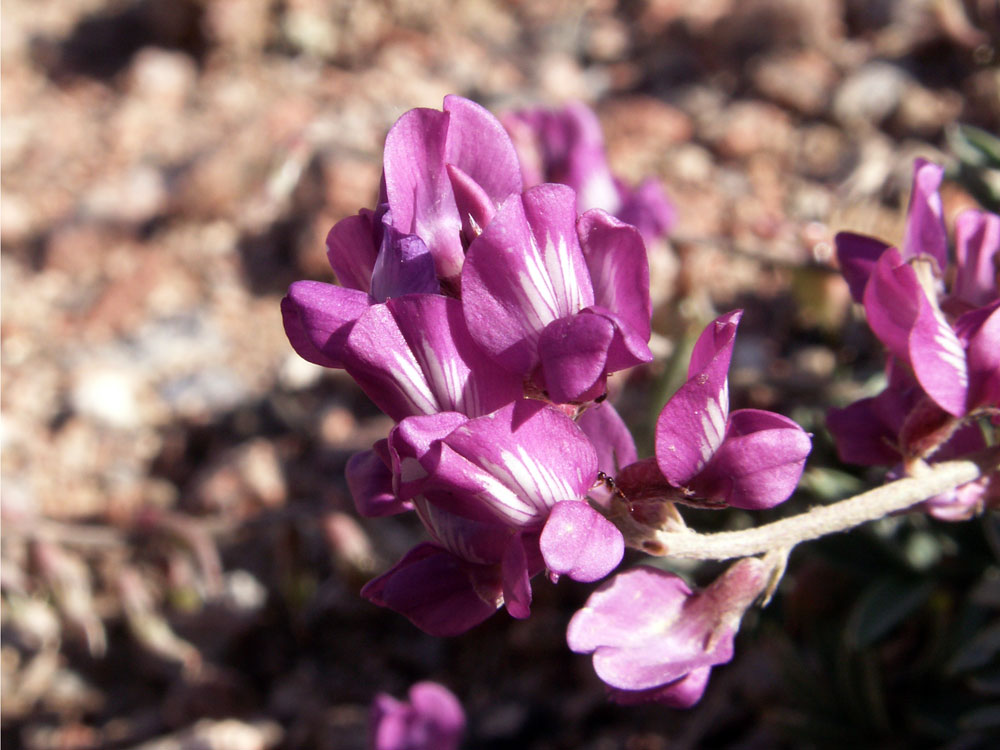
x: 692, y: 425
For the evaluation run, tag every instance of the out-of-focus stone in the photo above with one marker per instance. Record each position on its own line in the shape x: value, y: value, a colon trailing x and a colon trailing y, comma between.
x: 749, y: 127
x: 134, y: 196
x: 162, y: 79
x: 800, y: 80
x: 870, y: 94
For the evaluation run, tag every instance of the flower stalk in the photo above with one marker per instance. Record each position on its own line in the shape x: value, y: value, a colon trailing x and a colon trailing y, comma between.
x: 828, y: 519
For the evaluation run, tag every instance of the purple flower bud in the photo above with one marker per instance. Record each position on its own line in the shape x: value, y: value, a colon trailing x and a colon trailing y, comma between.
x: 653, y: 640
x: 432, y: 719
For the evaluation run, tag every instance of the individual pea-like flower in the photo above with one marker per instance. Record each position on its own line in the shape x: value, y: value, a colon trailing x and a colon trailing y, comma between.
x: 948, y: 337
x: 654, y: 640
x: 503, y: 497
x: 415, y: 241
x: 556, y: 300
x: 431, y: 719
x: 940, y: 323
x: 567, y: 146
x: 705, y: 455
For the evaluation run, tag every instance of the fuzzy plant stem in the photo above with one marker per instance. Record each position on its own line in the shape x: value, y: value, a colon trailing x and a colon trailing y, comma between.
x: 827, y: 519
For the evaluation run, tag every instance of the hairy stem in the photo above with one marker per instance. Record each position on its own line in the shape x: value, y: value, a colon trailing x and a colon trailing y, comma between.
x: 822, y: 520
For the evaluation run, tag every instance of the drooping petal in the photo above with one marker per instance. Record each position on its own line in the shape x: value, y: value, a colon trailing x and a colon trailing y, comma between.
x: 318, y: 319
x: 867, y: 432
x: 977, y: 252
x: 525, y: 270
x: 759, y: 463
x: 418, y: 189
x: 857, y: 255
x: 438, y: 592
x: 682, y: 693
x: 610, y: 437
x: 938, y: 358
x: 692, y: 425
x: 892, y: 302
x: 351, y: 250
x: 579, y: 542
x: 626, y: 608
x: 414, y: 355
x: 925, y: 231
x: 574, y: 354
x: 479, y: 146
x: 619, y: 268
x: 370, y: 482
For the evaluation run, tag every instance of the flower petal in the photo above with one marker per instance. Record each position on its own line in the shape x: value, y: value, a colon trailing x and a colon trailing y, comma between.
x: 574, y: 352
x: 531, y: 456
x: 925, y: 232
x: 418, y: 189
x: 984, y: 360
x: 892, y: 300
x: 414, y: 355
x: 692, y: 425
x: 579, y: 542
x: 351, y: 250
x: 610, y: 436
x: 524, y: 271
x: 619, y: 268
x: 370, y: 482
x: 437, y: 592
x: 938, y: 358
x: 480, y: 147
x: 977, y: 251
x: 857, y: 255
x: 404, y: 266
x: 318, y: 319
x: 516, y: 580
x: 759, y: 463
x: 647, y: 208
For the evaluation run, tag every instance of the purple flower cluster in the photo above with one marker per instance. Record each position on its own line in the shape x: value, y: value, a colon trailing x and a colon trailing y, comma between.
x: 939, y: 319
x: 484, y: 317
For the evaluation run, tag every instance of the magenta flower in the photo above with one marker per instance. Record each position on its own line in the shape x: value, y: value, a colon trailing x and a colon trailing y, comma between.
x: 749, y: 459
x: 432, y: 719
x: 944, y: 342
x: 948, y: 339
x: 503, y: 498
x: 567, y: 146
x: 653, y: 640
x: 560, y: 301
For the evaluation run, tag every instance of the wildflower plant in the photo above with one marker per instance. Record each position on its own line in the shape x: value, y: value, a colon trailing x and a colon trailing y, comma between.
x: 483, y: 309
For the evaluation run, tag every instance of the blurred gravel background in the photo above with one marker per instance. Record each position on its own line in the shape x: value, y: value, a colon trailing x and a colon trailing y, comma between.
x: 180, y: 557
